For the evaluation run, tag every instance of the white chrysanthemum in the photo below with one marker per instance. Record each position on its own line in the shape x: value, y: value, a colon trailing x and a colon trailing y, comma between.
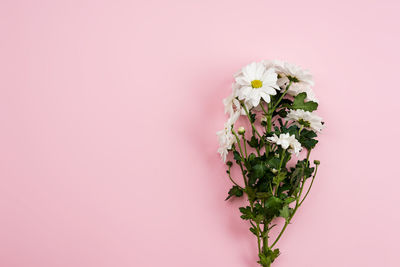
x: 225, y: 137
x: 302, y: 80
x: 256, y: 82
x: 307, y: 119
x: 276, y: 64
x: 310, y: 94
x: 287, y: 141
x: 232, y: 104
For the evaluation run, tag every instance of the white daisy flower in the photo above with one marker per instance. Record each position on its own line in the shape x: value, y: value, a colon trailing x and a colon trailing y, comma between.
x: 310, y: 95
x: 232, y: 104
x: 302, y: 80
x: 287, y: 141
x: 256, y: 82
x: 225, y: 136
x: 307, y: 119
x: 276, y: 64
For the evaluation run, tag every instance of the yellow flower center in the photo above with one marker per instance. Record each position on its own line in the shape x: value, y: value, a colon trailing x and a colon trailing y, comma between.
x: 256, y: 84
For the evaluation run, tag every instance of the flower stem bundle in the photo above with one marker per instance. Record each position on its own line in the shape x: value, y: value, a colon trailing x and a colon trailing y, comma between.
x: 278, y: 104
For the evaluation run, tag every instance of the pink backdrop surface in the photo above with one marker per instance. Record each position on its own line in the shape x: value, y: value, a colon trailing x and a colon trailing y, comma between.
x: 108, y: 113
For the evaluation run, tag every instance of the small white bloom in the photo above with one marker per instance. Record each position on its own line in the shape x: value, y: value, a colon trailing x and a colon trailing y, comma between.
x: 256, y: 82
x: 287, y: 141
x: 307, y: 119
x: 264, y: 118
x: 225, y: 137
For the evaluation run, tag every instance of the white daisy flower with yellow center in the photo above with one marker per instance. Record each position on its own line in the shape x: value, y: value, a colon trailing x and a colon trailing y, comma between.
x: 287, y: 141
x: 306, y: 119
x: 256, y: 82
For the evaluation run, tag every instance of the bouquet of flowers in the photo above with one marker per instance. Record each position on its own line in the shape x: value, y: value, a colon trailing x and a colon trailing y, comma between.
x: 278, y: 104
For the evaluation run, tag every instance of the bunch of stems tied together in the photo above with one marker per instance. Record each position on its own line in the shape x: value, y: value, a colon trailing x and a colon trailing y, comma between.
x: 276, y: 103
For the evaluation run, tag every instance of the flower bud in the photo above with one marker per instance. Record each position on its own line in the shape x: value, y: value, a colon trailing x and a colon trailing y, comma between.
x: 229, y: 163
x: 241, y: 130
x: 317, y: 162
x: 264, y: 119
x: 274, y: 171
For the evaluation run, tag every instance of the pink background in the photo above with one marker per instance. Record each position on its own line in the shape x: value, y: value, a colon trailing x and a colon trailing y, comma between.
x: 108, y: 113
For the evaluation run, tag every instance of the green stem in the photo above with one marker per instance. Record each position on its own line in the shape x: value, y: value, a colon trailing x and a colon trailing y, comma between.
x: 265, y: 112
x: 295, y: 208
x: 280, y: 164
x: 269, y: 117
x: 252, y: 125
x: 301, y: 129
x: 268, y: 126
x: 309, y: 188
x: 242, y: 157
x: 257, y: 226
x: 244, y: 144
x: 279, y: 170
x: 230, y: 177
x: 265, y: 237
x: 280, y: 99
x: 238, y: 142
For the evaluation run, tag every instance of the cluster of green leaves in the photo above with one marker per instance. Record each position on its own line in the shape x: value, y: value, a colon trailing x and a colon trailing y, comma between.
x: 272, y: 187
x: 268, y: 257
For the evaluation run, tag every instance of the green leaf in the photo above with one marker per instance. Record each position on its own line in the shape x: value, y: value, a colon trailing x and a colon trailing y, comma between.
x: 274, y: 163
x: 253, y: 142
x: 307, y: 139
x: 293, y: 130
x: 284, y: 212
x: 263, y: 195
x: 268, y: 257
x: 273, y: 203
x: 258, y: 213
x: 254, y: 231
x: 308, y: 172
x: 257, y: 171
x: 264, y: 260
x: 251, y: 157
x: 252, y: 117
x: 279, y: 178
x: 235, y: 191
x: 251, y: 194
x: 299, y: 103
x: 289, y: 200
x: 259, y: 217
x: 247, y: 214
x: 273, y: 254
x: 282, y: 113
x: 272, y: 207
x: 237, y: 156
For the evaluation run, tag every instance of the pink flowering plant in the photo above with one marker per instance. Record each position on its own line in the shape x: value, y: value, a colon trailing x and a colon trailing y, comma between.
x: 277, y: 100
